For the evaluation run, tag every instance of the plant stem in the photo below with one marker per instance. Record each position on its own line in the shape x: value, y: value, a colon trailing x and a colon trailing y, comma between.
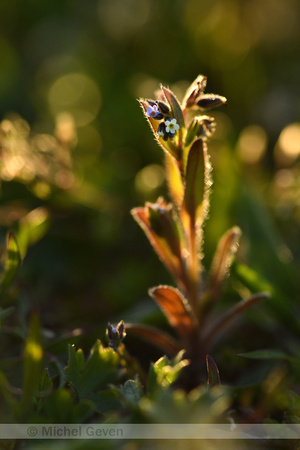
x: 193, y: 270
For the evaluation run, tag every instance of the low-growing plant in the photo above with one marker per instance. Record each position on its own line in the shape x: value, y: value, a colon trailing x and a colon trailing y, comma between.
x: 175, y: 230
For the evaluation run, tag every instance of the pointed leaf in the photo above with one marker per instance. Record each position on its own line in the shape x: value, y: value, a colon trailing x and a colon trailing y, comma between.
x: 59, y: 371
x: 166, y: 245
x: 223, y: 321
x: 72, y: 370
x: 227, y: 247
x: 164, y: 372
x: 100, y: 368
x: 198, y: 180
x: 33, y: 355
x: 32, y: 228
x: 284, y: 305
x: 46, y: 383
x: 154, y: 336
x: 174, y: 179
x: 12, y: 262
x: 270, y: 354
x: 176, y: 308
x: 213, y: 372
x: 59, y: 406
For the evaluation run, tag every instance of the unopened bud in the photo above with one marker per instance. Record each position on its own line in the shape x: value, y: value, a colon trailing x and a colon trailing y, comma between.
x: 207, y: 101
x: 195, y: 90
x: 115, y: 335
x: 163, y: 107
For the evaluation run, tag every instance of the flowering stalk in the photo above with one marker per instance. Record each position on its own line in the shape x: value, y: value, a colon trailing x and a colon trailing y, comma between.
x: 175, y: 229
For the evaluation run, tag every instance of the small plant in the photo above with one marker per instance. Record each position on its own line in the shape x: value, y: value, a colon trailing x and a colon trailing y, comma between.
x: 175, y: 230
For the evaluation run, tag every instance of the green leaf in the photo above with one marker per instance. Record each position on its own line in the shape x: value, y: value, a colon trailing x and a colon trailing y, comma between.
x: 46, y: 383
x: 267, y: 249
x: 83, y: 410
x: 12, y: 262
x: 163, y: 373
x: 283, y: 306
x: 32, y: 228
x: 72, y: 370
x: 62, y: 378
x: 107, y: 401
x: 266, y: 355
x: 33, y: 355
x: 45, y: 388
x: 100, y: 369
x: 60, y: 407
x: 201, y: 405
x: 132, y: 391
x: 195, y: 204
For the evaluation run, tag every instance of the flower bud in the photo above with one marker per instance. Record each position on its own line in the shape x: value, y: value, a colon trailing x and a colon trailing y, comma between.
x: 163, y: 107
x: 161, y: 131
x: 115, y: 335
x: 195, y: 91
x: 207, y: 126
x: 208, y: 101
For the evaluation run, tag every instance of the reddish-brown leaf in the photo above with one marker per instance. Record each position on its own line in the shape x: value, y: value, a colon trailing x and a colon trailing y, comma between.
x: 156, y: 337
x: 176, y: 308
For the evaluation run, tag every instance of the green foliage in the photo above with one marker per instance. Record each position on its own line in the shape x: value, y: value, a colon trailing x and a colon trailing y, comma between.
x: 33, y: 355
x: 11, y: 263
x: 96, y: 373
x: 163, y: 373
x: 199, y: 406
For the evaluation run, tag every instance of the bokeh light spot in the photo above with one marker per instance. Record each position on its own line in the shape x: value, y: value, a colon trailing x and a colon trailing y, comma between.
x: 77, y: 94
x: 287, y: 148
x: 149, y: 178
x: 252, y: 144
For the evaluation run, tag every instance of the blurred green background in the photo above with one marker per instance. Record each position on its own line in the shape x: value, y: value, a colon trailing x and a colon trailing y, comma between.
x: 74, y: 141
